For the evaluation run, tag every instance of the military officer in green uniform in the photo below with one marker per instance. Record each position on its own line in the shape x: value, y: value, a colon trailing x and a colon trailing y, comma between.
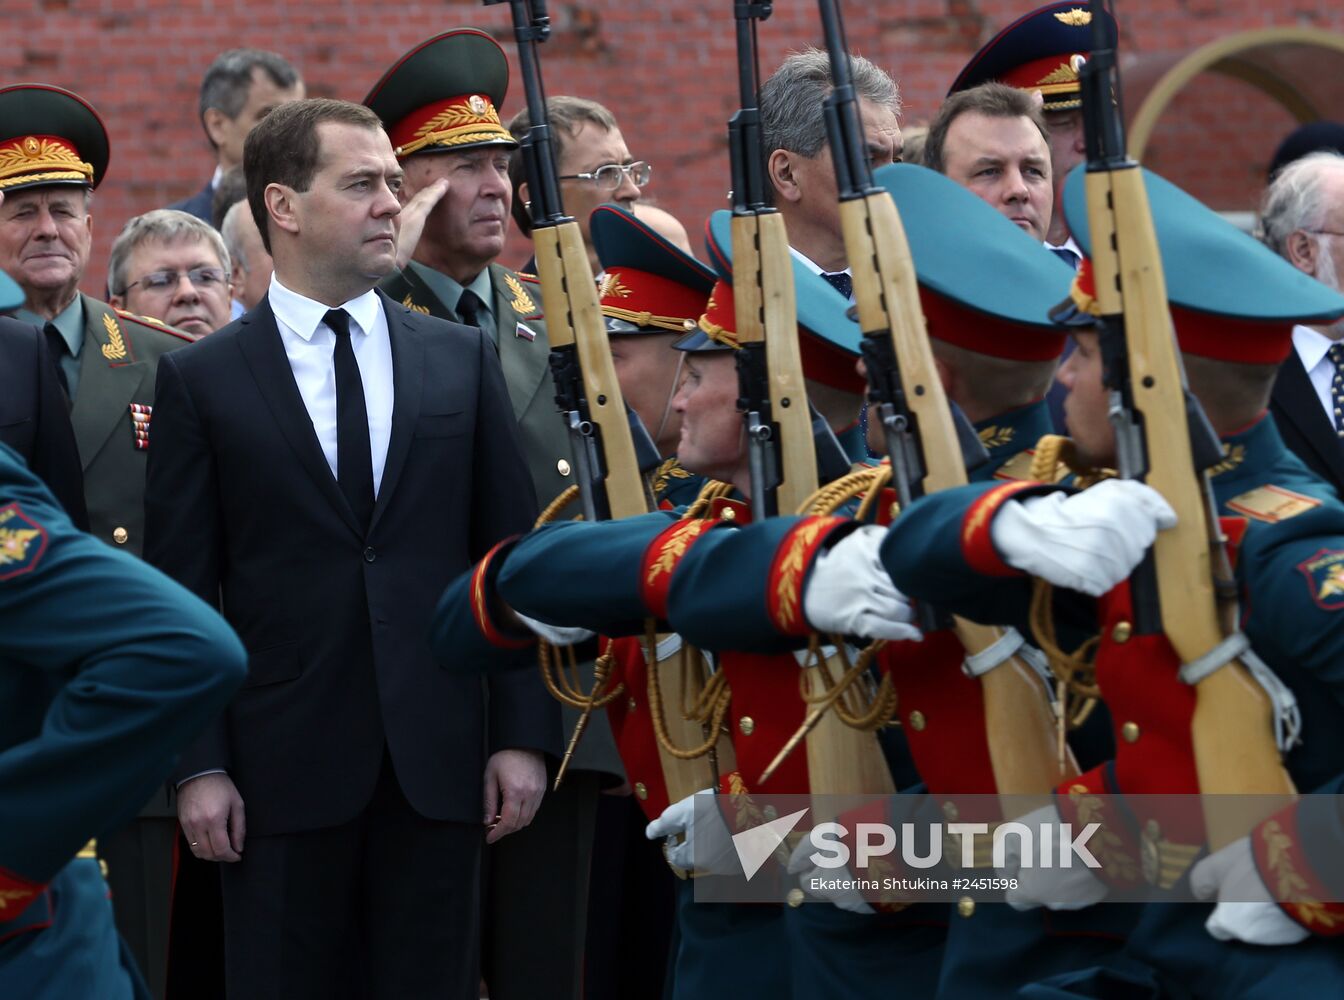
x: 53, y: 152
x: 107, y: 669
x: 440, y: 105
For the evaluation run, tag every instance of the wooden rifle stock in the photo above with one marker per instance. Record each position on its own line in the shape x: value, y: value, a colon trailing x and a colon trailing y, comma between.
x: 1233, y: 726
x: 574, y: 317
x: 1019, y: 724
x: 766, y: 312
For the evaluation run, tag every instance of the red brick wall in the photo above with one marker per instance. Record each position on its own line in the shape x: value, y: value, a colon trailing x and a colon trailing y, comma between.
x: 665, y: 68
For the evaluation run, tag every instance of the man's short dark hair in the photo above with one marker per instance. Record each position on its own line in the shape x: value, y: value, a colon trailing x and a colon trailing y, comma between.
x: 993, y: 100
x: 284, y: 148
x: 567, y: 115
x: 228, y: 81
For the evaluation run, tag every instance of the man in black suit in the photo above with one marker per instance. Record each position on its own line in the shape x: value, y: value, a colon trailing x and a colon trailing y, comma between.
x: 239, y: 89
x: 1302, y: 218
x: 34, y: 413
x: 330, y: 462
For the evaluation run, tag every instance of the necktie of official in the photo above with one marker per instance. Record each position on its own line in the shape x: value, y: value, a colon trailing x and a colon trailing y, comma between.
x: 57, y: 348
x: 1336, y: 356
x: 841, y: 282
x: 469, y: 308
x: 1068, y: 256
x: 354, y: 455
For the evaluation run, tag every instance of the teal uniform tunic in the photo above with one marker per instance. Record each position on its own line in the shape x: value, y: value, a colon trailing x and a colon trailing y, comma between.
x: 107, y: 668
x: 1288, y: 530
x: 989, y: 954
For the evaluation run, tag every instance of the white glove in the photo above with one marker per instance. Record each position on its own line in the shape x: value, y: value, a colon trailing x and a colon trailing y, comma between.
x: 1056, y: 888
x: 800, y: 864
x: 849, y: 592
x: 708, y: 847
x: 556, y: 635
x: 1245, y: 911
x: 1089, y: 541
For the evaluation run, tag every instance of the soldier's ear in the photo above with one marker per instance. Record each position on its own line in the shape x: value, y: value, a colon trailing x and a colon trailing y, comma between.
x: 1300, y: 249
x: 782, y: 176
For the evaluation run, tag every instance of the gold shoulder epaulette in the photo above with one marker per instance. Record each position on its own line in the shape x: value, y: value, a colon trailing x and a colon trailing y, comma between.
x: 1019, y: 468
x: 1272, y: 504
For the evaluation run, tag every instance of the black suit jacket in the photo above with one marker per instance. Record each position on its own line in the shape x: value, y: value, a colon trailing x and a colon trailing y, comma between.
x: 35, y: 417
x: 1304, y: 425
x: 199, y: 204
x: 242, y: 508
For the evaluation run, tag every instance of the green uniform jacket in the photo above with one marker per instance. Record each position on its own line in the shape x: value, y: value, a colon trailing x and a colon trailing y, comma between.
x: 117, y: 366
x: 517, y: 310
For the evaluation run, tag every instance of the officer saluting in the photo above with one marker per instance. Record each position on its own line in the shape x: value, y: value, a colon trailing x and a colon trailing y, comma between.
x: 107, y: 668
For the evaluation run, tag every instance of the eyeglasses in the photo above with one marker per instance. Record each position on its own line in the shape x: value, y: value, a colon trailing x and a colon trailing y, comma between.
x: 1324, y: 232
x: 608, y: 177
x: 162, y: 281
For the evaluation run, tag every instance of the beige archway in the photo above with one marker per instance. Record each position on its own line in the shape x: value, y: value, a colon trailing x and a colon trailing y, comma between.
x: 1301, y: 69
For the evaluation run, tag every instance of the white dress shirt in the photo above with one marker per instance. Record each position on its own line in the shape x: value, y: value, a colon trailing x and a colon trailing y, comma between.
x: 310, y: 345
x: 1311, y: 346
x: 816, y: 268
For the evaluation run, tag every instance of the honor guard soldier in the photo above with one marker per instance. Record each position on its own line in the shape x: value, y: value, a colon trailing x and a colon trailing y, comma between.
x: 53, y: 152
x: 107, y: 669
x: 615, y: 577
x: 986, y: 290
x: 440, y: 104
x: 973, y: 549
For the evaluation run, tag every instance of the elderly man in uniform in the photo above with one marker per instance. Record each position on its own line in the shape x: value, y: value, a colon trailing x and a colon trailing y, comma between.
x: 440, y: 104
x: 107, y: 360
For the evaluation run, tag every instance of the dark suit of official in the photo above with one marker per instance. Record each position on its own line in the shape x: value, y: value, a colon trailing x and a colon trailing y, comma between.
x: 536, y: 885
x: 1303, y: 423
x: 198, y: 204
x: 242, y: 506
x: 35, y: 417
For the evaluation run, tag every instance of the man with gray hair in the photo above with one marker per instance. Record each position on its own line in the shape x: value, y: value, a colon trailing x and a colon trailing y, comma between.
x: 1302, y: 220
x: 172, y: 267
x: 252, y: 265
x: 240, y: 88
x: 799, y: 158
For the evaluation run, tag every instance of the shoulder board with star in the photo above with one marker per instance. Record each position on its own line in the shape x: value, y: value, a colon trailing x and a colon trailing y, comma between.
x: 155, y: 324
x: 1272, y: 504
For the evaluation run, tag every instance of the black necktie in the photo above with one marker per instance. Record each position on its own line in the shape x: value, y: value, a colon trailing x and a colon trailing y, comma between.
x: 57, y: 348
x: 841, y: 282
x: 1068, y: 256
x: 354, y: 456
x: 469, y: 308
x: 1336, y: 356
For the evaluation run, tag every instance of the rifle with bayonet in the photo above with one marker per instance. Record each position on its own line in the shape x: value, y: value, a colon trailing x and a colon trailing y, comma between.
x: 788, y: 443
x: 613, y: 453
x: 930, y: 442
x: 1184, y: 588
